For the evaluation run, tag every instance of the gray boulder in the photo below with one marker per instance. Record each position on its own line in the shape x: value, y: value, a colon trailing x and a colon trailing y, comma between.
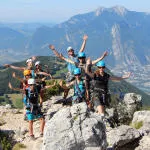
x: 122, y: 112
x: 74, y: 128
x: 144, y: 143
x: 143, y: 118
x: 133, y: 102
x: 121, y: 136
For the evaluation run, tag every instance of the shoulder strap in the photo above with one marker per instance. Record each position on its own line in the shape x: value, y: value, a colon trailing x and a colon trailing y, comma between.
x: 78, y: 89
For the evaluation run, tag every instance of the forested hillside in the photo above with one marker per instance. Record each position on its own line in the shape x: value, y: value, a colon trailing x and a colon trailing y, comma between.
x: 58, y: 69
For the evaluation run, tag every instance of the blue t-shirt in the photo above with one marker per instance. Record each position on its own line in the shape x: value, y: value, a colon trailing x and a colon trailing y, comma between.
x: 70, y: 66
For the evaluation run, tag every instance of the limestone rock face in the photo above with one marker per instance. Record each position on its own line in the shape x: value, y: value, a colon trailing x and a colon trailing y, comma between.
x: 123, y: 111
x: 122, y: 135
x: 142, y: 116
x: 74, y: 128
x: 144, y: 143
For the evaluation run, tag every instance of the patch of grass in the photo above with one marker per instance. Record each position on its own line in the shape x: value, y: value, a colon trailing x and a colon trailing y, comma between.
x: 55, y: 90
x: 5, y: 141
x: 18, y: 146
x: 145, y: 108
x: 137, y: 125
x: 16, y: 100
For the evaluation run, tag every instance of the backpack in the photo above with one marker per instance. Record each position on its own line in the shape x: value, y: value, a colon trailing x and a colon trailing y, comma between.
x: 32, y: 101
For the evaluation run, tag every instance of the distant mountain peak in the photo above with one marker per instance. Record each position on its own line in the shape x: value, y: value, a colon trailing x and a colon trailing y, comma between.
x: 120, y: 10
x: 99, y: 11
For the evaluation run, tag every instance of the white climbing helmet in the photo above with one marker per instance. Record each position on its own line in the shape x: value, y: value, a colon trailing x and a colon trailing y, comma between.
x: 31, y: 81
x: 29, y: 60
x: 69, y: 48
x: 37, y: 63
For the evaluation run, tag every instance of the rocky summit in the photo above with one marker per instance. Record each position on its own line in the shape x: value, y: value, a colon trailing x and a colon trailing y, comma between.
x: 77, y: 128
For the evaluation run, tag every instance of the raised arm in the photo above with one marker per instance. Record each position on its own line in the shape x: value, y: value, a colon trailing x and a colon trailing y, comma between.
x: 17, y: 77
x: 66, y: 86
x: 49, y: 86
x: 15, y: 89
x: 99, y: 59
x: 88, y: 63
x: 52, y: 47
x: 14, y: 67
x: 67, y: 59
x: 120, y: 78
x: 85, y: 37
x: 45, y: 74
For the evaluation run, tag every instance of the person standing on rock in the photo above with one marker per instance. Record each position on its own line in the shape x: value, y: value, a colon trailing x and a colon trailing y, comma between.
x: 33, y: 110
x: 82, y: 65
x: 79, y: 87
x: 72, y: 56
x: 40, y: 79
x: 100, y: 85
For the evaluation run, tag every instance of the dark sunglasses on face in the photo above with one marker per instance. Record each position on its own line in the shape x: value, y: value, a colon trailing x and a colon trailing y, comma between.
x: 31, y: 84
x: 28, y: 75
x: 81, y: 57
x: 71, y: 50
x: 101, y: 67
x: 77, y: 74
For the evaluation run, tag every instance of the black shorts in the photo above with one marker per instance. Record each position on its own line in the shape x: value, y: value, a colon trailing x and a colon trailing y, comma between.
x: 101, y: 99
x: 39, y: 87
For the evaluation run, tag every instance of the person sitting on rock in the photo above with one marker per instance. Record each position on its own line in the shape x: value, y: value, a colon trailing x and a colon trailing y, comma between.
x: 100, y: 85
x: 79, y: 87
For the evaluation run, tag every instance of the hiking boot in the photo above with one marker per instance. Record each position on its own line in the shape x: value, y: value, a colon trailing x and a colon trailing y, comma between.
x: 41, y: 135
x: 32, y: 138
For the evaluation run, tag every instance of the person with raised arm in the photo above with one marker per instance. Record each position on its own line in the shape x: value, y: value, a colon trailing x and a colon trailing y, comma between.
x: 100, y: 85
x: 82, y: 64
x: 79, y: 87
x: 72, y: 56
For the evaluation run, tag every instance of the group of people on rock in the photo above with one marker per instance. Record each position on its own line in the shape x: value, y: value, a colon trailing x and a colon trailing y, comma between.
x: 32, y: 86
x: 90, y: 87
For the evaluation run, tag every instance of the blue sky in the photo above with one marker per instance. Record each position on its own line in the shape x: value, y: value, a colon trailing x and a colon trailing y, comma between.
x: 59, y: 10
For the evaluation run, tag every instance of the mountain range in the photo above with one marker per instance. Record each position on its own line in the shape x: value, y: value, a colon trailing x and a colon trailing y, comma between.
x: 124, y: 33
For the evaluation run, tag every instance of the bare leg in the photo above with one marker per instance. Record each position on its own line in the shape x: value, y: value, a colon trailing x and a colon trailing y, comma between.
x: 100, y: 109
x: 66, y: 91
x: 31, y: 127
x: 41, y: 96
x: 42, y: 124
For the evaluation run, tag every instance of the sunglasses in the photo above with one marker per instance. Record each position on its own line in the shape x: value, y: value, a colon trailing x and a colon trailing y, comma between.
x: 77, y: 74
x: 28, y: 75
x: 101, y: 67
x: 81, y: 57
x: 31, y: 84
x: 71, y: 50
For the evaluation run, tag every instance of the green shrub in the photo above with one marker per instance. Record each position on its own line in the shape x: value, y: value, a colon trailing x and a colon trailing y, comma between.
x: 18, y: 146
x: 137, y: 125
x: 55, y: 90
x: 5, y: 141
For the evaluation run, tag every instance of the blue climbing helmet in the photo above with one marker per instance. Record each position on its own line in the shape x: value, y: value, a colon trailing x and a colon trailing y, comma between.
x: 77, y: 71
x: 81, y: 54
x: 100, y: 64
